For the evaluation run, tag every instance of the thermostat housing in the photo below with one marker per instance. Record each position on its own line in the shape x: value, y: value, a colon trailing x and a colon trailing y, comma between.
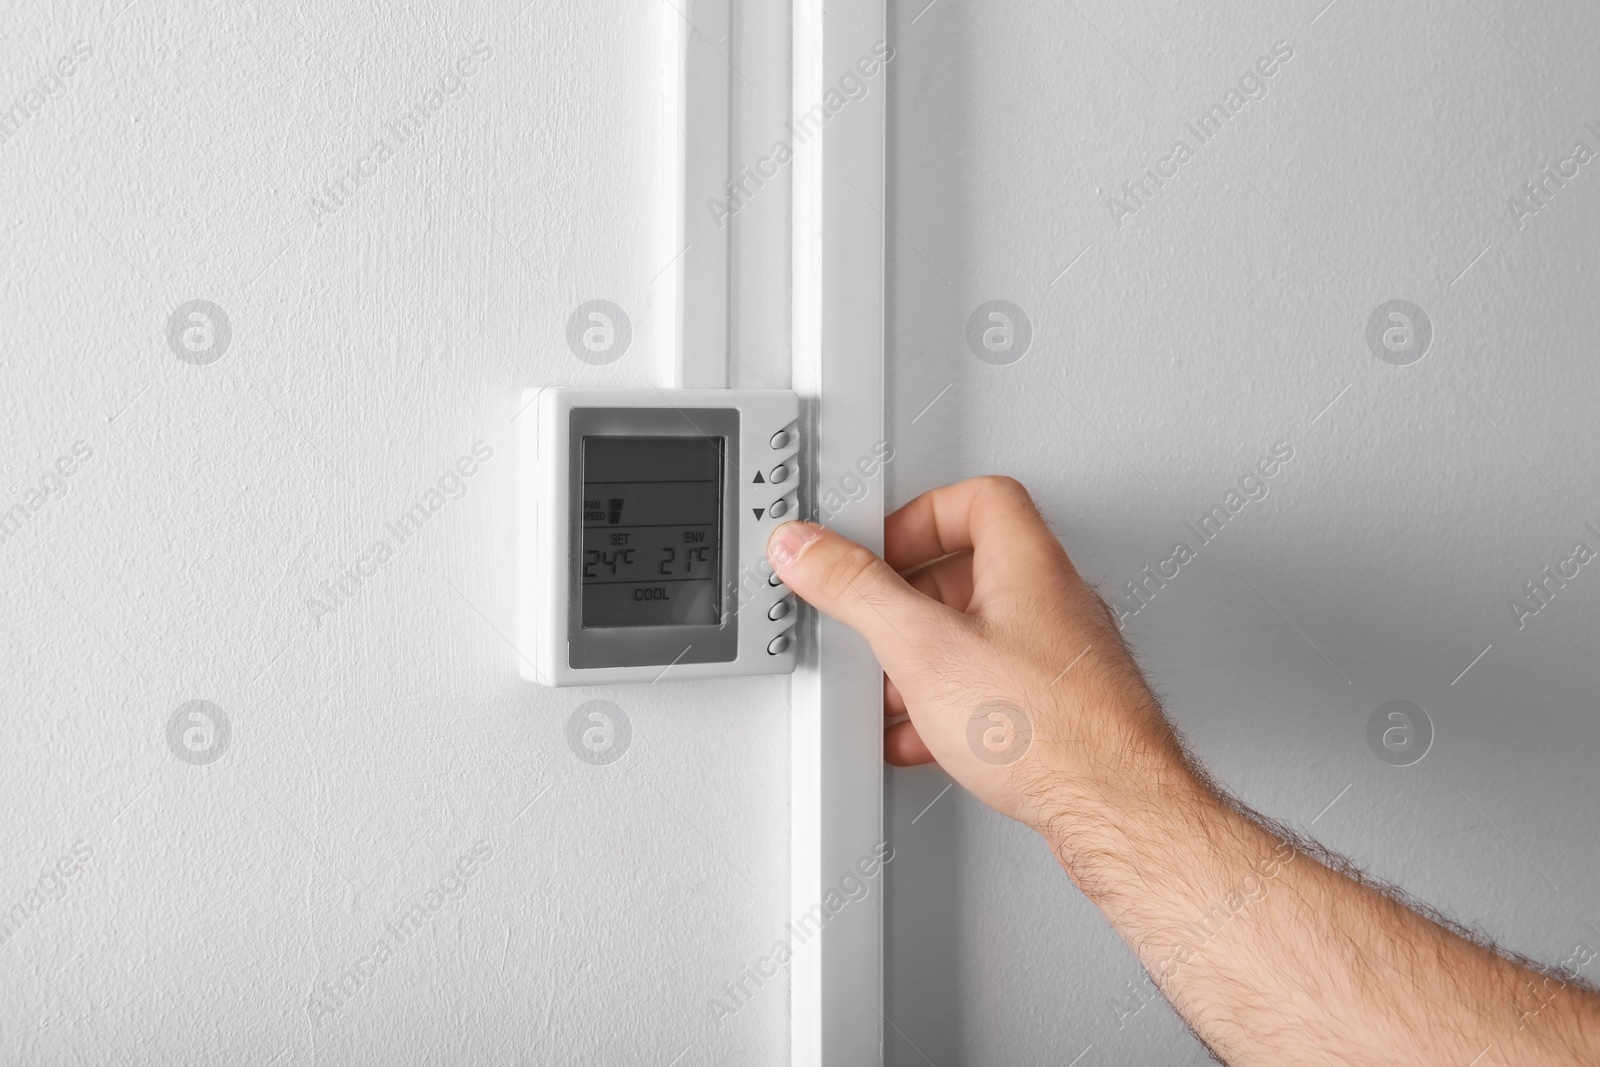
x: 644, y: 522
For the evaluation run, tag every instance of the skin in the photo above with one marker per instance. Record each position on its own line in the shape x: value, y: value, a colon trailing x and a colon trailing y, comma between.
x: 1005, y: 667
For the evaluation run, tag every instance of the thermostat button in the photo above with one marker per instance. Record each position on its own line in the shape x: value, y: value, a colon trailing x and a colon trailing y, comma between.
x: 780, y: 610
x: 779, y: 473
x: 779, y: 508
x: 781, y: 439
x: 780, y: 644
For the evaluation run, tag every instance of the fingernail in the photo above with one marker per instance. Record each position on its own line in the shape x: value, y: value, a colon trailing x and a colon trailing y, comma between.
x: 789, y: 541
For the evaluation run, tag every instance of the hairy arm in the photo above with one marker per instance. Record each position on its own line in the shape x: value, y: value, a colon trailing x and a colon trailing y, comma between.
x: 1276, y: 952
x: 1005, y: 667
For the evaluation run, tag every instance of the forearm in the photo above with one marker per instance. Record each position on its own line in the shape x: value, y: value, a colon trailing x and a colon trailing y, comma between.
x: 1014, y: 676
x: 1273, y: 957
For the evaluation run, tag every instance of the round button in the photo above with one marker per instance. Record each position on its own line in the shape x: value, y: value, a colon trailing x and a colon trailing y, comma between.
x: 779, y: 508
x: 780, y: 644
x: 773, y: 579
x: 779, y: 473
x: 780, y: 610
x: 781, y: 439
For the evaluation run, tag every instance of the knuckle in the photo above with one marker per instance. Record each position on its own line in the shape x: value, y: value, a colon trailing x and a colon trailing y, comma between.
x: 1003, y: 483
x: 848, y: 575
x: 1006, y: 487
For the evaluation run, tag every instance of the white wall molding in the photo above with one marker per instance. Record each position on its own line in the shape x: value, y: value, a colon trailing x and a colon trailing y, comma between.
x: 836, y: 719
x: 697, y: 109
x: 794, y: 257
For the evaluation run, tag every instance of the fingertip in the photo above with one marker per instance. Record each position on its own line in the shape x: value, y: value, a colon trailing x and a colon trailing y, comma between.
x: 850, y: 583
x: 894, y: 705
x: 789, y: 541
x: 903, y: 746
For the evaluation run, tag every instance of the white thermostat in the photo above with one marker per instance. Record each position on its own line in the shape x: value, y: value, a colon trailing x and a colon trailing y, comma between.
x: 644, y: 522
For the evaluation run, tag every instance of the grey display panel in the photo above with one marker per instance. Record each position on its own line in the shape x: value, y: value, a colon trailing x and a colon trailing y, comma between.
x: 696, y: 635
x: 652, y: 531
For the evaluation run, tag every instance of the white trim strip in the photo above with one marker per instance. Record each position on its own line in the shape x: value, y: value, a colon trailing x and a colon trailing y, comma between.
x: 697, y: 102
x: 836, y: 709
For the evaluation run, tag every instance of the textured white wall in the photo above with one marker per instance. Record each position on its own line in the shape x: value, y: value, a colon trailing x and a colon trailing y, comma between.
x: 373, y: 343
x: 1223, y: 317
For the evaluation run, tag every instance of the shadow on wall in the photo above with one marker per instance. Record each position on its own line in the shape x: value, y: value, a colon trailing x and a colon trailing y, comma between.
x: 922, y: 927
x: 922, y: 889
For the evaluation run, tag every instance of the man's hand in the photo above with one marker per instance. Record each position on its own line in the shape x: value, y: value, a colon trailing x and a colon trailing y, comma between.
x: 1010, y: 667
x: 1015, y: 679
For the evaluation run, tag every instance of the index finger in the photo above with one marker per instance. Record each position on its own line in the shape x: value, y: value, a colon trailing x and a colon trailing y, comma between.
x: 992, y: 516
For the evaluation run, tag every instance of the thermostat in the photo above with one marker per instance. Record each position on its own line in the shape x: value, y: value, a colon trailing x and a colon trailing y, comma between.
x: 644, y: 525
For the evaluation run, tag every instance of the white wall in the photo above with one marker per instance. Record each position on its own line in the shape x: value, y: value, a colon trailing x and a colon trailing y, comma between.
x: 373, y: 346
x: 373, y: 745
x: 1218, y: 320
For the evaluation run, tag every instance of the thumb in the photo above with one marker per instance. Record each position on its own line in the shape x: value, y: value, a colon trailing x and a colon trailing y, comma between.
x: 853, y: 584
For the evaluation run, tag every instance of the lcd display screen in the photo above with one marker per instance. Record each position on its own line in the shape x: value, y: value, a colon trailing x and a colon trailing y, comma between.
x: 652, y: 531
